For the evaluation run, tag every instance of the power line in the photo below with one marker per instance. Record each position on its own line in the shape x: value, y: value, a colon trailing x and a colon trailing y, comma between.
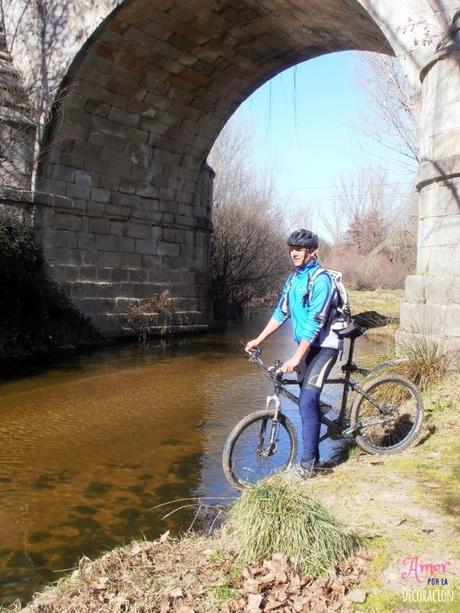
x: 353, y: 185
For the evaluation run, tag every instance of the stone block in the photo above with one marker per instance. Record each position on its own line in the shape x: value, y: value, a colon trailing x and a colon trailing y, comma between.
x: 106, y: 141
x: 119, y: 275
x: 100, y: 195
x: 438, y: 260
x: 106, y: 242
x: 439, y: 200
x: 187, y: 251
x: 148, y: 191
x: 62, y: 173
x: 127, y: 200
x: 139, y: 231
x: 72, y: 223
x: 104, y: 274
x: 65, y: 256
x: 68, y: 273
x: 109, y: 259
x: 153, y: 263
x: 432, y: 289
x: 95, y: 209
x: 75, y: 190
x: 87, y: 273
x: 428, y: 319
x: 112, y: 211
x: 146, y: 247
x: 138, y: 275
x: 83, y: 177
x: 169, y: 249
x: 99, y: 226
x: 122, y: 117
x: 126, y: 244
x: 132, y: 260
x: 108, y: 182
x: 96, y: 107
x: 439, y: 231
x: 168, y: 235
x: 174, y: 263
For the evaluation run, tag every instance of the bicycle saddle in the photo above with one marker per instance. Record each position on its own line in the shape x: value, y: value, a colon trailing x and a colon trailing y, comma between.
x: 351, y: 331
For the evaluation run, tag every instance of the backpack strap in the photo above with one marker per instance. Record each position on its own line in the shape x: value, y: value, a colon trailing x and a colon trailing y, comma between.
x: 284, y: 301
x: 312, y: 278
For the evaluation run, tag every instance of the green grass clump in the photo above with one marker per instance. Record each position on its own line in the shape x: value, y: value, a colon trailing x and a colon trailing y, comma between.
x: 426, y: 362
x: 278, y: 515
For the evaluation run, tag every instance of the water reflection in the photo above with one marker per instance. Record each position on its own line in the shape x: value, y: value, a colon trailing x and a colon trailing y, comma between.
x: 90, y: 446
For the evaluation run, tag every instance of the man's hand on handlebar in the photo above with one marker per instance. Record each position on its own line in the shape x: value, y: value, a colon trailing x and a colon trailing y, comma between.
x: 290, y: 365
x: 252, y: 346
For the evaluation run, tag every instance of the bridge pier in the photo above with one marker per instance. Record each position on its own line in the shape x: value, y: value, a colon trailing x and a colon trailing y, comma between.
x: 431, y: 307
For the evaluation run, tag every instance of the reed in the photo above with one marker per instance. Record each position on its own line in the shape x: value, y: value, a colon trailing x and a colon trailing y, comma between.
x: 278, y: 515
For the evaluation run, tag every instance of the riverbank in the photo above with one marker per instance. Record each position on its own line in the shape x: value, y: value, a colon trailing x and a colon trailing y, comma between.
x: 404, y: 506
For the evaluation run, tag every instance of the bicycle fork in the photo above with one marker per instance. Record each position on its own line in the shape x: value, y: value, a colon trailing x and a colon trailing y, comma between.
x: 266, y: 450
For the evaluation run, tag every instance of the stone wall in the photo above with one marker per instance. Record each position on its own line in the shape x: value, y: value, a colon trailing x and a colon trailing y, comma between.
x: 126, y: 193
x: 138, y: 113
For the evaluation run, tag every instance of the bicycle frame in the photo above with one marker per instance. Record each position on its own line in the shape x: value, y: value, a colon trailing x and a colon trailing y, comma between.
x: 337, y: 428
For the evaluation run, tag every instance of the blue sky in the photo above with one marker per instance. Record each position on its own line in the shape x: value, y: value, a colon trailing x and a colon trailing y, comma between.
x: 306, y: 122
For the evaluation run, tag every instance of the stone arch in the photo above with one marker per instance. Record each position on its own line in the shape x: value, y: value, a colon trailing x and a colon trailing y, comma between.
x: 123, y: 162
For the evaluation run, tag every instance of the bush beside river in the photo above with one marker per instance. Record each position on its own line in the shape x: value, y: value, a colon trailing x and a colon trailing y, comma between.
x: 36, y: 317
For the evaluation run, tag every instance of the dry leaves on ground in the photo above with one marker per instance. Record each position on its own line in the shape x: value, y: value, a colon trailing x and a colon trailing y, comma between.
x: 275, y: 585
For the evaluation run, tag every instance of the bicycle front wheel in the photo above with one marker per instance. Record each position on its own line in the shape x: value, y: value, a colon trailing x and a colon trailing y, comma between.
x: 257, y: 447
x: 389, y: 416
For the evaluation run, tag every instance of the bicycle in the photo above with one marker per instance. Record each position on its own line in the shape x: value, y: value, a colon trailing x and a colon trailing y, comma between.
x: 385, y: 417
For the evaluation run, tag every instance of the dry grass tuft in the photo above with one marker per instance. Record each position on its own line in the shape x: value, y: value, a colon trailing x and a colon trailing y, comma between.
x: 281, y: 515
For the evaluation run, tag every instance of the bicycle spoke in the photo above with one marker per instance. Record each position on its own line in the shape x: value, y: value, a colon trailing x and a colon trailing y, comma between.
x: 254, y: 457
x: 389, y: 415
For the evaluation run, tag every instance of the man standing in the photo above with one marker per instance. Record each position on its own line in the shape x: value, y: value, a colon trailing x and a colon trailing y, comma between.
x: 308, y: 304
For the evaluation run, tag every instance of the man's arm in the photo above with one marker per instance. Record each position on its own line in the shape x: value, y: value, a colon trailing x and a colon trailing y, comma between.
x: 301, y: 351
x: 271, y: 327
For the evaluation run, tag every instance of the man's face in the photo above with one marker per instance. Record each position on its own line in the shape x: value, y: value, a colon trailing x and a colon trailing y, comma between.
x: 301, y: 255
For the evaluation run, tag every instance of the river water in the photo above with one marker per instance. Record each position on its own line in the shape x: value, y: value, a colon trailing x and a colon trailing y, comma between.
x: 91, y: 445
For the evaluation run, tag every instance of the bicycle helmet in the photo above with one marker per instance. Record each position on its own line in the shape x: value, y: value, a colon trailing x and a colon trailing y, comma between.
x: 303, y: 238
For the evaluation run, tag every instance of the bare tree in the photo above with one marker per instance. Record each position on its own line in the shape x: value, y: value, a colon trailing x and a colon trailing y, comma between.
x: 248, y: 250
x: 390, y: 120
x: 43, y: 36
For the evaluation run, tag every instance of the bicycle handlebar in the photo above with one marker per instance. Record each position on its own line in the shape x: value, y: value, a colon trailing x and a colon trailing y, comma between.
x: 272, y: 372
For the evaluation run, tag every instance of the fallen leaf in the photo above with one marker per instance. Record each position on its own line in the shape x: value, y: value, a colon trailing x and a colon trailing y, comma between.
x: 178, y: 592
x: 273, y: 604
x: 358, y: 596
x: 100, y: 584
x: 164, y: 537
x: 254, y: 603
x: 134, y: 548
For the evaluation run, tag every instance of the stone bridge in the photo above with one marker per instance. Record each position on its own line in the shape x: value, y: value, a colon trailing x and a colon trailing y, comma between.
x: 123, y: 196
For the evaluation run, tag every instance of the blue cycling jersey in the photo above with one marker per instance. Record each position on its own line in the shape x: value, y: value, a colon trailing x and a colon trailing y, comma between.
x: 308, y: 313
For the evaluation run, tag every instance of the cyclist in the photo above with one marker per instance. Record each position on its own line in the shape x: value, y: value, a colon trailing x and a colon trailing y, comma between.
x: 308, y: 306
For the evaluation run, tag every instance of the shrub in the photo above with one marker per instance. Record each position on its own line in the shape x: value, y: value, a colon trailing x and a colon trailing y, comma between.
x: 35, y: 316
x: 425, y: 360
x: 278, y: 515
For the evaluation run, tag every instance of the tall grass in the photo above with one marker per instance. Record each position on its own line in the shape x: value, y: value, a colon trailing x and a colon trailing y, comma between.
x: 280, y: 515
x: 426, y: 362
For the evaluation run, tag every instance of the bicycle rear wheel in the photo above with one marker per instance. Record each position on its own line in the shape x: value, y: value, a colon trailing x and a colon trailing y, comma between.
x: 257, y: 447
x: 390, y: 417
